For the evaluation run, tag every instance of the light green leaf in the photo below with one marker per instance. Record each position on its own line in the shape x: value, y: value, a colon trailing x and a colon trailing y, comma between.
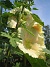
x: 13, y: 41
x: 5, y: 34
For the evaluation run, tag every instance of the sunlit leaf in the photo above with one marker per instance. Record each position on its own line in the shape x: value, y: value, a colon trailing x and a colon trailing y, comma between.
x: 11, y: 39
x: 5, y: 34
x: 13, y: 42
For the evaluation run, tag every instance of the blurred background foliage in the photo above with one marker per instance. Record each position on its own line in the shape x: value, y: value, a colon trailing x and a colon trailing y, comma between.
x: 10, y: 54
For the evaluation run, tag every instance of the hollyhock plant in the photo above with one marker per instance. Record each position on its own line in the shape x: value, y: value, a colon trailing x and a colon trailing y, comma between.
x: 33, y: 45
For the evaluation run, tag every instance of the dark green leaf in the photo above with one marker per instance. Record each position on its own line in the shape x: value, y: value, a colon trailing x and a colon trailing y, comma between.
x: 35, y: 9
x: 35, y: 62
x: 18, y: 4
x: 1, y: 54
x: 5, y: 16
x: 6, y: 4
x: 37, y: 19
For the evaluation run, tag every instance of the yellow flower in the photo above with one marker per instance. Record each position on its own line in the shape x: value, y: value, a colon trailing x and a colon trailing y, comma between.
x: 33, y: 45
x: 35, y: 51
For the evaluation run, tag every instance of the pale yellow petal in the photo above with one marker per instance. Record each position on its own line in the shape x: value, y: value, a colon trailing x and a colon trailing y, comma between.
x: 29, y: 51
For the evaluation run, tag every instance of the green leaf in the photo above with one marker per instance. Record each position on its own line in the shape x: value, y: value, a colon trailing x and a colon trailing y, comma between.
x: 0, y: 50
x: 13, y: 42
x: 17, y: 65
x: 18, y: 4
x: 35, y: 9
x: 35, y: 62
x: 6, y: 4
x: 5, y: 16
x: 5, y: 34
x: 1, y: 54
x: 46, y: 51
x: 37, y: 19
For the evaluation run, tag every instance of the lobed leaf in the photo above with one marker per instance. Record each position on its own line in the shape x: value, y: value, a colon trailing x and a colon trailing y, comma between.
x: 5, y: 34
